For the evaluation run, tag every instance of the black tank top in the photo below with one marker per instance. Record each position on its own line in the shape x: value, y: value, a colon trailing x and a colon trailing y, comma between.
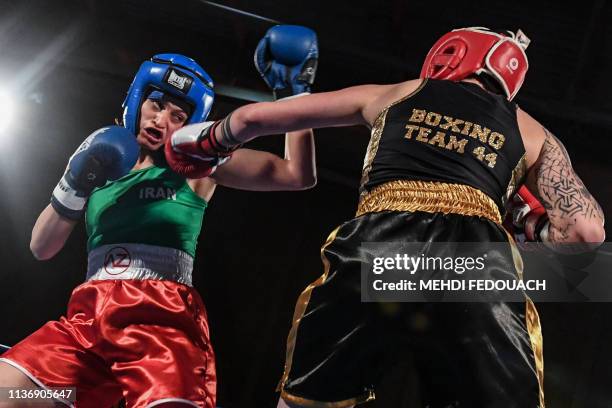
x: 453, y: 132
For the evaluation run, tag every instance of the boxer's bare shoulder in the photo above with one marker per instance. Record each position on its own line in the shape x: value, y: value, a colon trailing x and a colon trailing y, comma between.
x: 383, y: 96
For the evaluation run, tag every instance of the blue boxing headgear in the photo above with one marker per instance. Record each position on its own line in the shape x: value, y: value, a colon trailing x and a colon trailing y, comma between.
x: 176, y: 75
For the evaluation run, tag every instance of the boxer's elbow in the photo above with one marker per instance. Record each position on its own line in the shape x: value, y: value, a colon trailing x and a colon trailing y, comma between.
x: 310, y: 182
x: 592, y: 233
x: 304, y: 181
x: 50, y: 233
x: 584, y: 232
x: 299, y: 174
x: 41, y: 252
x: 45, y: 247
x: 590, y: 230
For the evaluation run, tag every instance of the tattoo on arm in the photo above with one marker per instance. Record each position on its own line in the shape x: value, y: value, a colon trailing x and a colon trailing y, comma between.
x: 561, y: 191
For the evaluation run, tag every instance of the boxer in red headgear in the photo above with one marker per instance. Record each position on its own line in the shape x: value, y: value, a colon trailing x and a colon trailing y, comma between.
x: 446, y: 154
x: 479, y: 52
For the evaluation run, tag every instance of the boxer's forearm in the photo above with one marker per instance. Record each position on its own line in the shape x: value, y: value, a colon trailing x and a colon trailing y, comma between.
x: 327, y: 109
x: 265, y: 118
x: 50, y: 233
x: 300, y: 154
x: 575, y: 215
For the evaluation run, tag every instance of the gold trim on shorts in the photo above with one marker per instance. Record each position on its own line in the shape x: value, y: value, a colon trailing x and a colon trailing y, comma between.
x: 429, y: 196
x: 532, y: 322
x: 537, y: 344
x: 300, y: 309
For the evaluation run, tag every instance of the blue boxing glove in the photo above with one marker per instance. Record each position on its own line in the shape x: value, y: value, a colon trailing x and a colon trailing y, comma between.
x: 286, y: 57
x: 107, y: 154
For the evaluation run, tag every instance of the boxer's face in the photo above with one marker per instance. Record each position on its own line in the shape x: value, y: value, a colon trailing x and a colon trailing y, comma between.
x: 158, y: 121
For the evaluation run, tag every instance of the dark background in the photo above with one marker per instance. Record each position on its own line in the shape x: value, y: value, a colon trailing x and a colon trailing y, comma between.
x: 69, y: 64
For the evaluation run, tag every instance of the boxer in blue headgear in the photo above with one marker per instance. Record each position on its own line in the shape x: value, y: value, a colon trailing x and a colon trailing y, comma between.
x: 136, y: 328
x: 174, y: 76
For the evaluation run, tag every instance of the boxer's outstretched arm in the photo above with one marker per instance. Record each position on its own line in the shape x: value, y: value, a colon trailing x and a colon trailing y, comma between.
x: 327, y: 109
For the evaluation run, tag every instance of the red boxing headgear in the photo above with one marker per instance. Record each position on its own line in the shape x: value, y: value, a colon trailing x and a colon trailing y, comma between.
x: 477, y: 50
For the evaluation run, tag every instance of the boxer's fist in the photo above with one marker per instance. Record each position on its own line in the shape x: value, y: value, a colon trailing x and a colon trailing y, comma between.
x: 188, y: 166
x: 529, y: 221
x: 193, y: 151
x: 286, y: 57
x: 107, y: 154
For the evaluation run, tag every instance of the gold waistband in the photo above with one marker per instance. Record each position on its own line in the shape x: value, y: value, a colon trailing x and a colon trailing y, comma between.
x: 429, y: 196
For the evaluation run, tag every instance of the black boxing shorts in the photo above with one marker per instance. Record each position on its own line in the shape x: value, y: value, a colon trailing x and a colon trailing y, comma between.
x: 476, y: 354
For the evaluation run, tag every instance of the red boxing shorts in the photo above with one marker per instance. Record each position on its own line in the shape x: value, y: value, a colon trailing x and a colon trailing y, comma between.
x: 143, y: 340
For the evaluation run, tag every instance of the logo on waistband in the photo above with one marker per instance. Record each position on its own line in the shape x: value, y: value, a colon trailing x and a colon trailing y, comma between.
x: 117, y: 260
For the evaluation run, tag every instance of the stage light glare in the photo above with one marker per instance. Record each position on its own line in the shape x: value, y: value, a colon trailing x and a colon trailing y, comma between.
x: 7, y: 110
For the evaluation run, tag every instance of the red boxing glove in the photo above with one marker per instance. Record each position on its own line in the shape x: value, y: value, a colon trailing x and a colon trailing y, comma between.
x: 529, y: 218
x: 188, y: 166
x: 193, y: 150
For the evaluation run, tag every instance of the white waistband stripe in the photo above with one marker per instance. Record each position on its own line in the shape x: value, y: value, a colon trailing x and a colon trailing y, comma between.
x: 139, y: 261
